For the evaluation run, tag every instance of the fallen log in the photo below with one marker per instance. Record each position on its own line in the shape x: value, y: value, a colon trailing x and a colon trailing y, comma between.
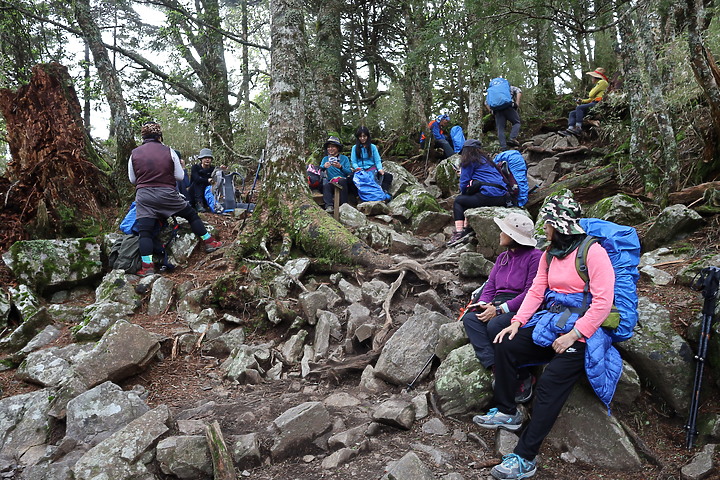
x: 595, y: 178
x: 691, y: 194
x: 223, y: 468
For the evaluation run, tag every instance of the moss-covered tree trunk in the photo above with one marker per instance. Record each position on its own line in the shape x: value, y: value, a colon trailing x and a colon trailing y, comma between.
x: 57, y: 186
x: 285, y: 209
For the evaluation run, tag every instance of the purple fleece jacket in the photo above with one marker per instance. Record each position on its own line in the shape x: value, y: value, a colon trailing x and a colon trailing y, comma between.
x: 514, y: 272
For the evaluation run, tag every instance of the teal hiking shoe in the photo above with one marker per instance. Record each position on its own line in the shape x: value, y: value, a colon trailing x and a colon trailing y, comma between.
x: 496, y: 419
x: 514, y: 466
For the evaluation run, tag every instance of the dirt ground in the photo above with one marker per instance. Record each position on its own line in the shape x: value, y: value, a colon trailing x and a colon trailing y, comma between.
x: 190, y: 380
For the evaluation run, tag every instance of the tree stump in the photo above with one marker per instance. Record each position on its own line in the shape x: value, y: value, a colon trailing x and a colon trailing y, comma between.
x: 55, y: 186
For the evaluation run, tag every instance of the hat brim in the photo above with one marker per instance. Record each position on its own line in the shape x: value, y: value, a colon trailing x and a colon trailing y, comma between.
x: 594, y: 74
x: 339, y: 145
x: 517, y: 235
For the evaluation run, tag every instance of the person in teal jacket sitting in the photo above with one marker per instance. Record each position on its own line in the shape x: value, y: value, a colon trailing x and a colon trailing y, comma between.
x: 337, y: 170
x: 365, y: 156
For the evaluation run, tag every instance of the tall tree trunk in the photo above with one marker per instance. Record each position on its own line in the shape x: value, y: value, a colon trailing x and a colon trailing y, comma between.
x: 698, y: 14
x: 544, y: 50
x: 660, y: 111
x: 636, y: 84
x: 214, y: 76
x: 113, y: 92
x: 245, y: 88
x: 285, y: 209
x: 325, y: 70
x: 416, y: 82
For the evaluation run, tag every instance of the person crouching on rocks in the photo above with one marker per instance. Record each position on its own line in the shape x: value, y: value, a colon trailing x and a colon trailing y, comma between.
x: 337, y: 170
x: 154, y: 169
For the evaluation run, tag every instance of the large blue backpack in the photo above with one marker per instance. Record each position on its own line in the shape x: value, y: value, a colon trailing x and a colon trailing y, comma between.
x: 513, y: 168
x: 623, y: 247
x: 368, y: 189
x: 498, y: 94
x: 458, y: 138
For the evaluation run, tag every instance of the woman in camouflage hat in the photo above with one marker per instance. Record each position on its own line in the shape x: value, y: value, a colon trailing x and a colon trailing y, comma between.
x: 554, y: 325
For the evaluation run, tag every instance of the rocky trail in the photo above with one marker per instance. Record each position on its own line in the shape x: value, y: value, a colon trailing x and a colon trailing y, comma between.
x: 143, y: 366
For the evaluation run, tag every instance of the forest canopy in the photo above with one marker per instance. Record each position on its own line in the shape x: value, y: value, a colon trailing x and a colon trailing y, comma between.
x: 203, y: 70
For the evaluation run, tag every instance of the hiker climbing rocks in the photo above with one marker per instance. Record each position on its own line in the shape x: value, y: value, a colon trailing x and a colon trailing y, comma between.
x: 200, y: 175
x: 154, y: 169
x: 481, y: 185
x: 337, y: 170
x: 365, y: 156
x: 575, y: 119
x: 503, y: 100
x: 440, y: 135
x: 549, y: 328
x: 506, y: 287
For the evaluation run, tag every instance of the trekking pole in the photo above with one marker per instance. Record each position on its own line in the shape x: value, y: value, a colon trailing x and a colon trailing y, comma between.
x: 257, y: 174
x: 473, y: 298
x: 706, y: 281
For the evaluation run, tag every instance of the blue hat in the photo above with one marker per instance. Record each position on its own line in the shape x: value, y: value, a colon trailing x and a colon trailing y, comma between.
x: 471, y: 143
x: 442, y: 117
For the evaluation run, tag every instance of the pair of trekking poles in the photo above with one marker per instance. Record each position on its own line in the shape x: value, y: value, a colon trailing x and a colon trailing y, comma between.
x: 706, y: 281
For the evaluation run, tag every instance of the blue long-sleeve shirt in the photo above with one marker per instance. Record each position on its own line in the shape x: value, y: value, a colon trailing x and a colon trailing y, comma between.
x: 437, y: 131
x: 365, y: 161
x: 485, y: 173
x: 334, y: 172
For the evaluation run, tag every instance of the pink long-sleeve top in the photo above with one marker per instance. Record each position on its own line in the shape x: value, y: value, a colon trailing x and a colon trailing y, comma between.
x: 563, y: 278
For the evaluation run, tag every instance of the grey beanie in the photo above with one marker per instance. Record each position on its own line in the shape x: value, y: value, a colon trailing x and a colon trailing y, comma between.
x: 205, y: 152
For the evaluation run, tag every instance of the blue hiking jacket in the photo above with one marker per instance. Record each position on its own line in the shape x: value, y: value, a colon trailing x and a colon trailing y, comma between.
x: 365, y: 161
x: 603, y: 364
x: 482, y: 172
x: 334, y: 172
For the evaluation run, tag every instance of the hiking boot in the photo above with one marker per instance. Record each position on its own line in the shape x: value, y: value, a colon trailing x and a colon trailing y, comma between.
x: 495, y: 419
x: 460, y: 236
x: 211, y: 245
x: 525, y: 390
x: 513, y: 143
x: 329, y: 209
x: 574, y: 130
x: 146, y: 269
x: 514, y: 466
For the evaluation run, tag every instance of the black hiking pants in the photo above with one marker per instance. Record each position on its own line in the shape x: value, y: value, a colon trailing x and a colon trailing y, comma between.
x: 149, y: 242
x: 463, y: 202
x: 552, y: 389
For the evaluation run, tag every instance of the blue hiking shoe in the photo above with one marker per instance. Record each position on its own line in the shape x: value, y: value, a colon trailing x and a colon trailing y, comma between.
x: 496, y: 419
x: 514, y: 466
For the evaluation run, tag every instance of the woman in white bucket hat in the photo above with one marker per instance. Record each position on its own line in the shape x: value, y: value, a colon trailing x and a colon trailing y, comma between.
x: 507, y: 285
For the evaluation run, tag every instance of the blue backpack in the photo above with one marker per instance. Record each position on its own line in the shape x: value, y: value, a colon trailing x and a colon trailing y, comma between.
x: 623, y: 247
x: 513, y: 168
x: 128, y: 223
x: 498, y: 94
x: 210, y: 199
x: 368, y: 189
x: 458, y: 137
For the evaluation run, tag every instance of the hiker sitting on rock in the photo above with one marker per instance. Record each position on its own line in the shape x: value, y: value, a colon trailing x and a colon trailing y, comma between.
x: 200, y: 175
x: 154, y: 169
x: 575, y: 119
x: 550, y: 327
x: 365, y: 156
x: 337, y: 170
x: 481, y: 185
x: 506, y: 287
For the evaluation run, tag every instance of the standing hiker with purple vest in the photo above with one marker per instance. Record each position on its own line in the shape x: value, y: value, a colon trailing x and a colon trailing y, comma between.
x: 154, y: 169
